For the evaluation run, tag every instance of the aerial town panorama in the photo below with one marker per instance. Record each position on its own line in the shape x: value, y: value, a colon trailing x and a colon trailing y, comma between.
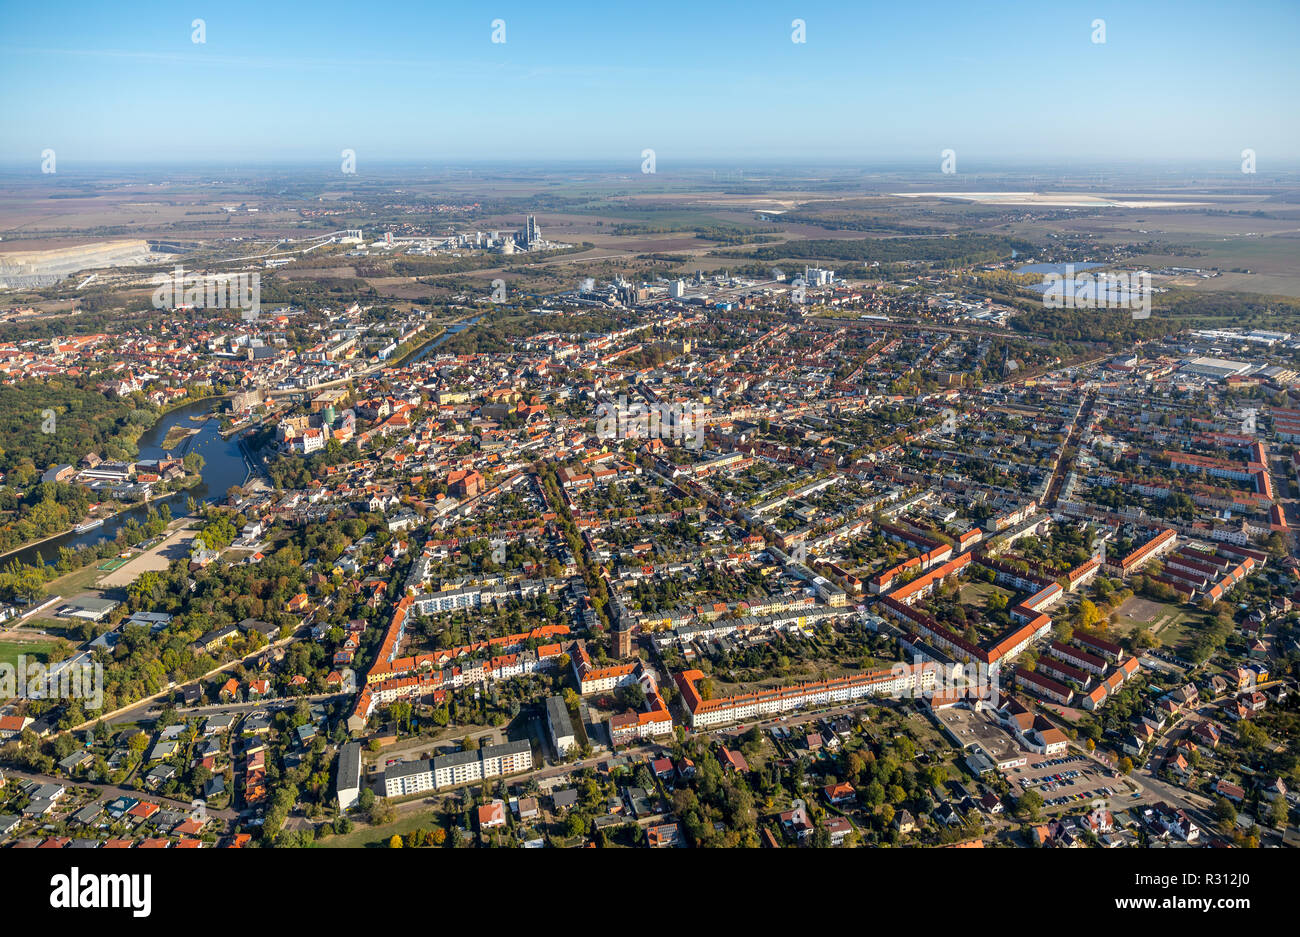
x: 640, y: 497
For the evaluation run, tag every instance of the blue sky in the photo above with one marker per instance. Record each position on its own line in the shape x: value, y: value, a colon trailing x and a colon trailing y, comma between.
x: 698, y: 82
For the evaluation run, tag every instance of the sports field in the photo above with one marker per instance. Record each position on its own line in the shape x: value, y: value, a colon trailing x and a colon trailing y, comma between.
x: 1171, y: 624
x: 32, y: 650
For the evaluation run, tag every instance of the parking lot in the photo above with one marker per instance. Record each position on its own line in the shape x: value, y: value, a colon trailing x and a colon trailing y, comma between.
x: 1071, y: 779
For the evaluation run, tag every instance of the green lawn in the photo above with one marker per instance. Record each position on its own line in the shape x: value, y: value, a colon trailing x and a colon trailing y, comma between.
x: 79, y: 580
x: 1177, y: 632
x: 375, y: 837
x: 32, y: 650
x: 977, y: 593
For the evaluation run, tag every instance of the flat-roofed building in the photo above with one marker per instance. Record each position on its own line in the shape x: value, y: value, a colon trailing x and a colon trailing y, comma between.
x: 411, y: 777
x: 348, y: 785
x: 1216, y: 367
x: 466, y: 767
x: 560, y: 725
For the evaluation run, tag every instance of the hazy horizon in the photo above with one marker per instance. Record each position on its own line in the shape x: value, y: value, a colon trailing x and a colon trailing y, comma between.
x: 1018, y: 85
x: 924, y: 170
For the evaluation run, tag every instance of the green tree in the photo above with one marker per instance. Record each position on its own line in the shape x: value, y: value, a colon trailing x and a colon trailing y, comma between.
x: 1029, y: 804
x: 1279, y: 812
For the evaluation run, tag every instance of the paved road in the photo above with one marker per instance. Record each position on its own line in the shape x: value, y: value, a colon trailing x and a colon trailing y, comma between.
x: 110, y: 792
x: 1152, y: 790
x: 132, y: 712
x: 650, y: 750
x: 1063, y: 465
x: 270, y: 705
x: 416, y: 749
